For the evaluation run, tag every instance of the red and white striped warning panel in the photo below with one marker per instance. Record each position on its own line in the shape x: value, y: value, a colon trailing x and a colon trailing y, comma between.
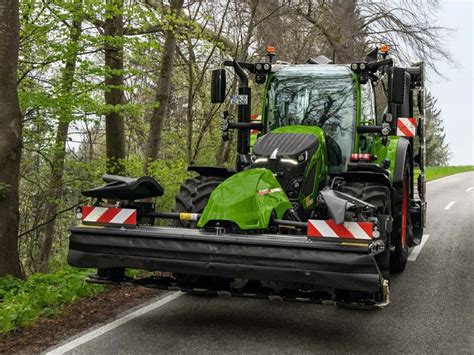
x: 109, y: 215
x: 406, y: 127
x: 349, y: 230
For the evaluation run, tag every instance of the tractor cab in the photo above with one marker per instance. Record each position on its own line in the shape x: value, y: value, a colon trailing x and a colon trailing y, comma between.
x: 309, y: 125
x: 316, y: 95
x: 319, y: 124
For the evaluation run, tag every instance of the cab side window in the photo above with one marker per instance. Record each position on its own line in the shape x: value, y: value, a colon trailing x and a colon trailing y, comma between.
x: 369, y: 114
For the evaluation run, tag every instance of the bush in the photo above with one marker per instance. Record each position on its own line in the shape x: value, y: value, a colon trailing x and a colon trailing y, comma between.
x: 22, y: 302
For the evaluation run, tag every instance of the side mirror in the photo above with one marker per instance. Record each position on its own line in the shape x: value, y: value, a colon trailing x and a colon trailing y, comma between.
x: 396, y: 85
x: 218, y: 83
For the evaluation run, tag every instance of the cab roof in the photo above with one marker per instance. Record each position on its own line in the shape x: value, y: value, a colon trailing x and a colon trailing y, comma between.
x: 318, y: 70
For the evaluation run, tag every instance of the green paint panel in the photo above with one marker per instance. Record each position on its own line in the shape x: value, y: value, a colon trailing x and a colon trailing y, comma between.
x: 385, y: 152
x: 248, y: 199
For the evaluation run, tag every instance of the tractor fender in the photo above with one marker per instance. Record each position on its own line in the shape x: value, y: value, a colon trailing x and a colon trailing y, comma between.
x: 403, y: 148
x: 212, y: 171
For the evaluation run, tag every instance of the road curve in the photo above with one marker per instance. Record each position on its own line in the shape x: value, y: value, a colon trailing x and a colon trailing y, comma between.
x: 431, y: 310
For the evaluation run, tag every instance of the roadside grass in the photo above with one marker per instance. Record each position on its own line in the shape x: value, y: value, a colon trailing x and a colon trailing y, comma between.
x: 22, y: 302
x: 437, y: 172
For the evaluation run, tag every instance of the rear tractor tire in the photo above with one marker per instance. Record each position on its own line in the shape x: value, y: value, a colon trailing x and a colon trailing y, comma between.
x: 402, y: 226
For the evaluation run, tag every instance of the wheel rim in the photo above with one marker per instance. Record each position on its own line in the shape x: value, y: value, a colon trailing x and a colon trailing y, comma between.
x: 404, y: 213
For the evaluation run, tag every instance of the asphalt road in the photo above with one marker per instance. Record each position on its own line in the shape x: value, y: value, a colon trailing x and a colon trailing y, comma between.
x: 431, y: 310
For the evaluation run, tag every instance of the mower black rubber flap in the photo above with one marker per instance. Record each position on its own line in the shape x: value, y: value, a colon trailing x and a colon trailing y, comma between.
x: 256, y: 257
x: 126, y: 188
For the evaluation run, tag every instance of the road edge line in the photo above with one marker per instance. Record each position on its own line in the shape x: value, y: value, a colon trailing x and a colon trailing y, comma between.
x: 112, y: 325
x: 417, y: 250
x: 446, y: 177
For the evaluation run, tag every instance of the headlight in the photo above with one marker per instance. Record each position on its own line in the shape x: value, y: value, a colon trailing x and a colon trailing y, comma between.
x: 289, y: 160
x: 260, y: 160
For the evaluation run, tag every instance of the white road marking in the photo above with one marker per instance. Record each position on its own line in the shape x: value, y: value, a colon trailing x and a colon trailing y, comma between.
x: 449, y: 205
x: 112, y: 325
x: 469, y: 189
x: 440, y: 179
x: 417, y: 250
x: 444, y: 178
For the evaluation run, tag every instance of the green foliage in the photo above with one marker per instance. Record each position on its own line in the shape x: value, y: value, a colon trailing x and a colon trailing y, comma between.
x: 22, y: 302
x: 169, y: 173
x: 437, y: 152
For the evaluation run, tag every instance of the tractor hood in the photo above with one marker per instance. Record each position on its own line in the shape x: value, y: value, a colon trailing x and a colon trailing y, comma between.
x: 276, y: 146
x: 246, y: 199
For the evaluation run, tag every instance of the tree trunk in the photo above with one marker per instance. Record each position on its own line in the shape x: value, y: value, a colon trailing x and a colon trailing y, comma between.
x: 114, y: 97
x: 10, y: 138
x: 57, y: 169
x: 163, y: 89
x: 346, y: 31
x: 189, y: 116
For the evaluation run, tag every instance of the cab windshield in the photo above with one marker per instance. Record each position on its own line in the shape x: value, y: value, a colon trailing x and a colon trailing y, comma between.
x: 316, y: 95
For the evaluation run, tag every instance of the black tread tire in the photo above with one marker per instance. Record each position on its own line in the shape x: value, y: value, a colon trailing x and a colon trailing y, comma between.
x: 379, y: 196
x: 373, y: 193
x: 399, y: 256
x: 193, y: 196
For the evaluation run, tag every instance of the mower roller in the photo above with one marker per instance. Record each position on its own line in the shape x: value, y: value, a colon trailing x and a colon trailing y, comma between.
x: 322, y: 208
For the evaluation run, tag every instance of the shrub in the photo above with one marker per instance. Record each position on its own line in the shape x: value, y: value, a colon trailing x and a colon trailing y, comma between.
x: 22, y: 302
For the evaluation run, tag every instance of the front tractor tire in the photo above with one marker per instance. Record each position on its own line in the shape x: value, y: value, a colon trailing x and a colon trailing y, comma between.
x: 379, y: 196
x: 194, y: 195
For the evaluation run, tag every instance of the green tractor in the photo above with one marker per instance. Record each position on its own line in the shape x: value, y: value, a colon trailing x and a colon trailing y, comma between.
x: 322, y: 208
